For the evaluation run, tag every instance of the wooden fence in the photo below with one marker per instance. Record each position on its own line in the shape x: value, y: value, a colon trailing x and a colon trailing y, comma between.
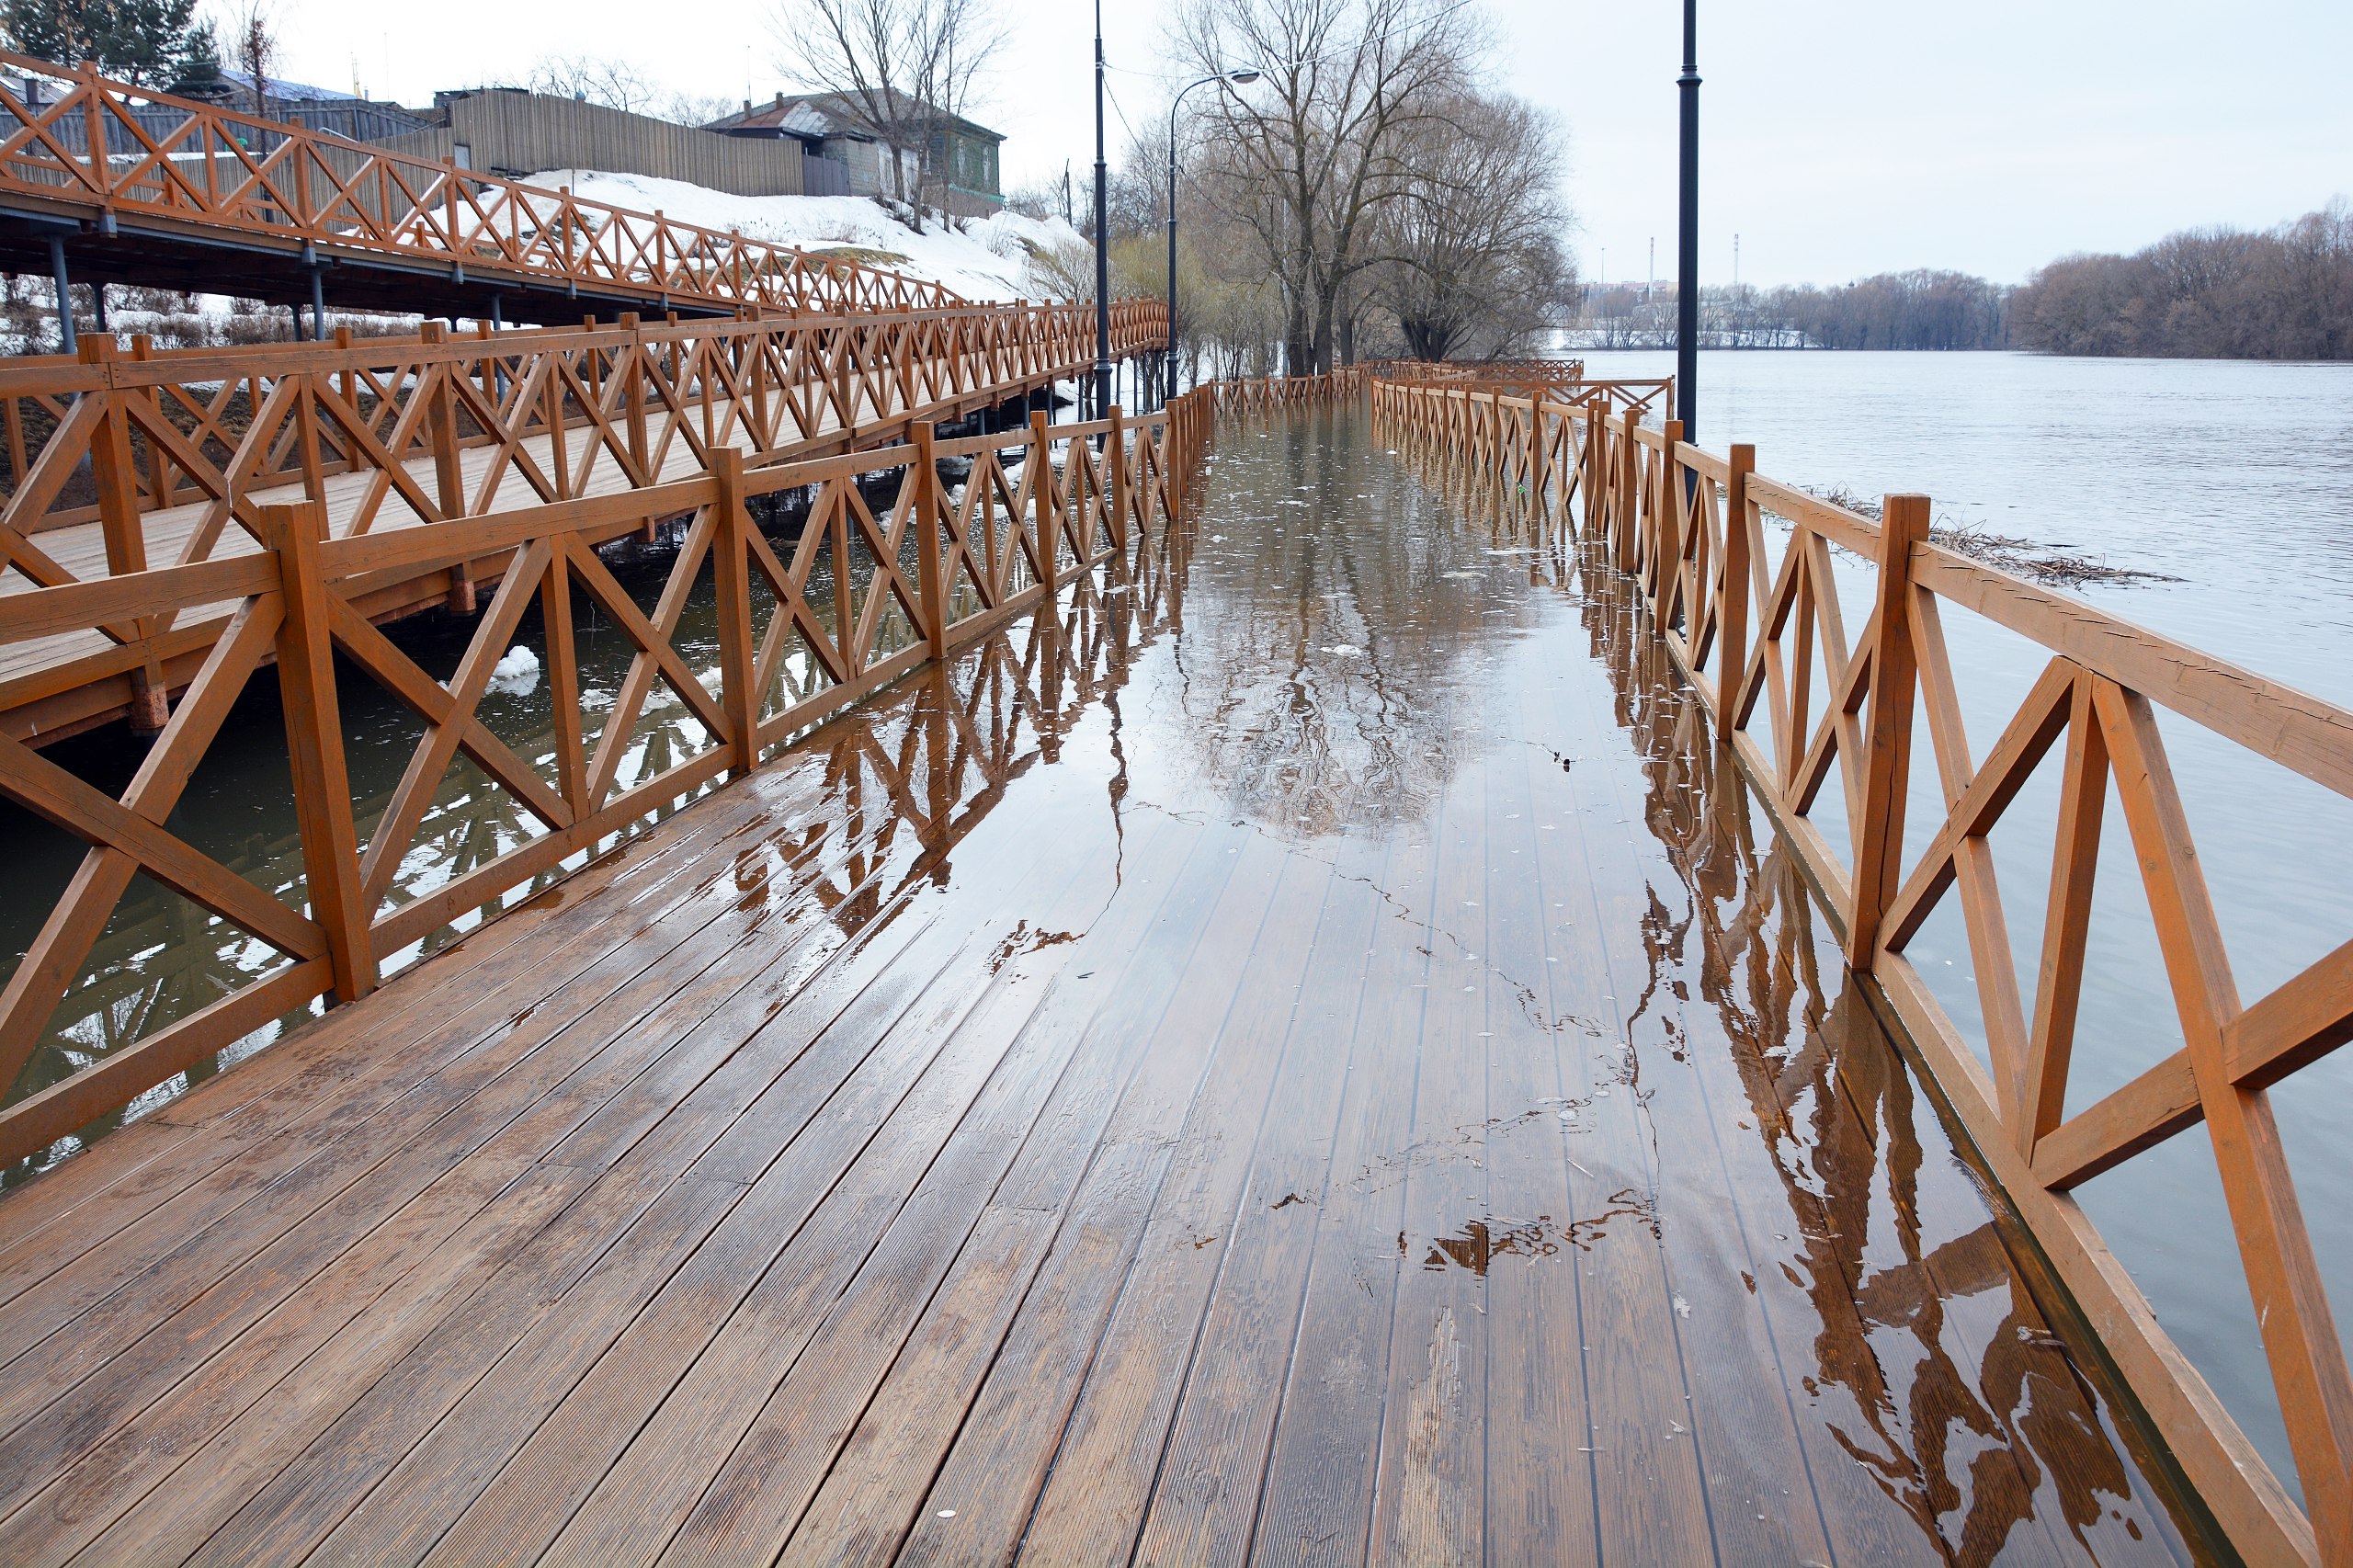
x: 893, y: 568
x: 1754, y: 620
x: 506, y: 128
x: 230, y: 175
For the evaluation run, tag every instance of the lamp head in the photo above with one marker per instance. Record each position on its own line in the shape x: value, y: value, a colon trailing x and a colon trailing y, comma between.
x: 1243, y: 77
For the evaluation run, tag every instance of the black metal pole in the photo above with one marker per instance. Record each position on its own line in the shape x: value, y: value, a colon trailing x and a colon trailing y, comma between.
x: 64, y: 294
x: 318, y: 305
x: 1686, y: 288
x: 1169, y: 382
x: 1102, y: 239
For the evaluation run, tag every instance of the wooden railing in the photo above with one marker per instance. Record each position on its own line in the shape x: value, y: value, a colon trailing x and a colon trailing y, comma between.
x: 1252, y: 394
x: 1753, y: 620
x: 892, y: 568
x: 154, y: 458
x: 235, y: 175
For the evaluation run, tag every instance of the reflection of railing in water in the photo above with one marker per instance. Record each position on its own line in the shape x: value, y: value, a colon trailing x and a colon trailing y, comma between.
x: 1838, y: 1116
x: 1077, y: 497
x: 1753, y: 632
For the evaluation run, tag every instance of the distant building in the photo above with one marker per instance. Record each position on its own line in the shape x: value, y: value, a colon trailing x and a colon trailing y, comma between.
x: 319, y: 109
x: 512, y: 131
x: 826, y: 127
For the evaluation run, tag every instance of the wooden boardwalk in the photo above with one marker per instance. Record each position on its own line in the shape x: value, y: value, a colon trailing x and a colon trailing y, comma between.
x: 389, y: 435
x: 1301, y: 1061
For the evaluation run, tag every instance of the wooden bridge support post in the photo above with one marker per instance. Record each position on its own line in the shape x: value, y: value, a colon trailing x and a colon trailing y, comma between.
x: 739, y: 698
x: 931, y: 583
x: 1887, y: 739
x: 314, y: 746
x: 1733, y: 598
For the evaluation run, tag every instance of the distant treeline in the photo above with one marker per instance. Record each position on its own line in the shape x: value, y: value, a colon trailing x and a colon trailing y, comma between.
x: 1894, y: 309
x: 2286, y: 293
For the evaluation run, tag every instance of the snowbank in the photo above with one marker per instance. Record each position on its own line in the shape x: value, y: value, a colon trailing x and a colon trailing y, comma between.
x: 988, y: 259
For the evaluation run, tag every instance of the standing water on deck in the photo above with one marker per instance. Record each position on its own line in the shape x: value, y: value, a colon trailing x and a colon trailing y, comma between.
x: 1543, y: 1187
x: 2231, y: 484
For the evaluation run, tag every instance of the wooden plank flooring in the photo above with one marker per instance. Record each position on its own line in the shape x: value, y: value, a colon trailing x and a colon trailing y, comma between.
x: 1330, y: 1075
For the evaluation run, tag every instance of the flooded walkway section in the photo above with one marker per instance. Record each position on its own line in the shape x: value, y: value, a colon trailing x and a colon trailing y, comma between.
x: 1301, y: 1060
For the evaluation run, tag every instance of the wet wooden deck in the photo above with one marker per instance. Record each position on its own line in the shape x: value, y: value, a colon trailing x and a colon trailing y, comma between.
x: 1301, y: 1062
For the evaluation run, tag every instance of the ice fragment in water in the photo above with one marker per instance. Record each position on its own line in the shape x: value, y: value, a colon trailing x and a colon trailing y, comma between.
x: 517, y: 673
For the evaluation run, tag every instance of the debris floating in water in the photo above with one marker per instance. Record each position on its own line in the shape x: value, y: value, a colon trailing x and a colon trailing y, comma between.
x: 516, y: 675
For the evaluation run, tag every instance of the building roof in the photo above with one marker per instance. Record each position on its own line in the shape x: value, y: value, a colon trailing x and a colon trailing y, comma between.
x: 819, y: 114
x: 290, y: 92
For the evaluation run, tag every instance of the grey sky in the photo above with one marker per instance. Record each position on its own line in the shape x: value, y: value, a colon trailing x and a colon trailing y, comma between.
x: 1841, y: 137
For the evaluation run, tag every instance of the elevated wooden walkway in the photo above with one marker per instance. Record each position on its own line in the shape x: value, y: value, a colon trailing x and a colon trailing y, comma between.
x: 1172, y: 1086
x: 123, y: 184
x: 116, y: 465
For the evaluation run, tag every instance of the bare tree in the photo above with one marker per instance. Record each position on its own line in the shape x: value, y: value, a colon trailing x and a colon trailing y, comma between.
x: 254, y: 39
x: 616, y: 84
x: 1472, y: 255
x: 902, y: 71
x: 1310, y: 156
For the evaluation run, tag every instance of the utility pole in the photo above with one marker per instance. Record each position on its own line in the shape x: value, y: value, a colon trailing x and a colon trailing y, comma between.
x: 1102, y: 239
x: 1244, y: 77
x: 1687, y: 297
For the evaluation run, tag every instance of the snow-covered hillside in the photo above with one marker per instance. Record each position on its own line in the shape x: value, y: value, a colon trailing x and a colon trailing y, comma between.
x: 982, y: 260
x: 989, y: 259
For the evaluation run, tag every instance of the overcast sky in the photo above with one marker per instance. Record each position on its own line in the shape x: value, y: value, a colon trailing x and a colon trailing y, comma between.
x: 1840, y: 137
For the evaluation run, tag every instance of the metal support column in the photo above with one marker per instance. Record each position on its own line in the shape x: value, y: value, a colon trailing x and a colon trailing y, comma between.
x: 64, y: 296
x: 1686, y: 286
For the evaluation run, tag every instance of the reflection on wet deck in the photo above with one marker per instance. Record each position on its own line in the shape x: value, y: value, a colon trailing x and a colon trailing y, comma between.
x: 1303, y: 1060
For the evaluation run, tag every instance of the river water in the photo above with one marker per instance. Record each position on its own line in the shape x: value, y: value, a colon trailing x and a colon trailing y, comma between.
x: 2233, y: 483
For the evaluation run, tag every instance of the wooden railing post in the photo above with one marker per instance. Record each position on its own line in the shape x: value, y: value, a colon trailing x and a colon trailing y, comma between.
x: 449, y: 477
x: 113, y: 467
x: 1625, y: 504
x: 1733, y: 598
x: 1045, y: 503
x: 314, y: 745
x: 931, y: 584
x: 1887, y: 739
x: 1666, y: 524
x: 1115, y: 458
x: 731, y: 584
x: 1534, y: 476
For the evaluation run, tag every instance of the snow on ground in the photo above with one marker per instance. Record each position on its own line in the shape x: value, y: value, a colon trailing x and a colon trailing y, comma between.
x: 982, y: 260
x: 989, y: 259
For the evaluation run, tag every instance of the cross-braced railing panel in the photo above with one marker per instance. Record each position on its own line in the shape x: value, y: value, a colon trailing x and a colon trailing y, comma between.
x: 736, y: 643
x: 1819, y: 641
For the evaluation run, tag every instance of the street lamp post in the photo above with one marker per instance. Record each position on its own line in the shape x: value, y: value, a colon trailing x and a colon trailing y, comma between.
x: 1242, y: 78
x: 1686, y: 288
x: 1102, y: 239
